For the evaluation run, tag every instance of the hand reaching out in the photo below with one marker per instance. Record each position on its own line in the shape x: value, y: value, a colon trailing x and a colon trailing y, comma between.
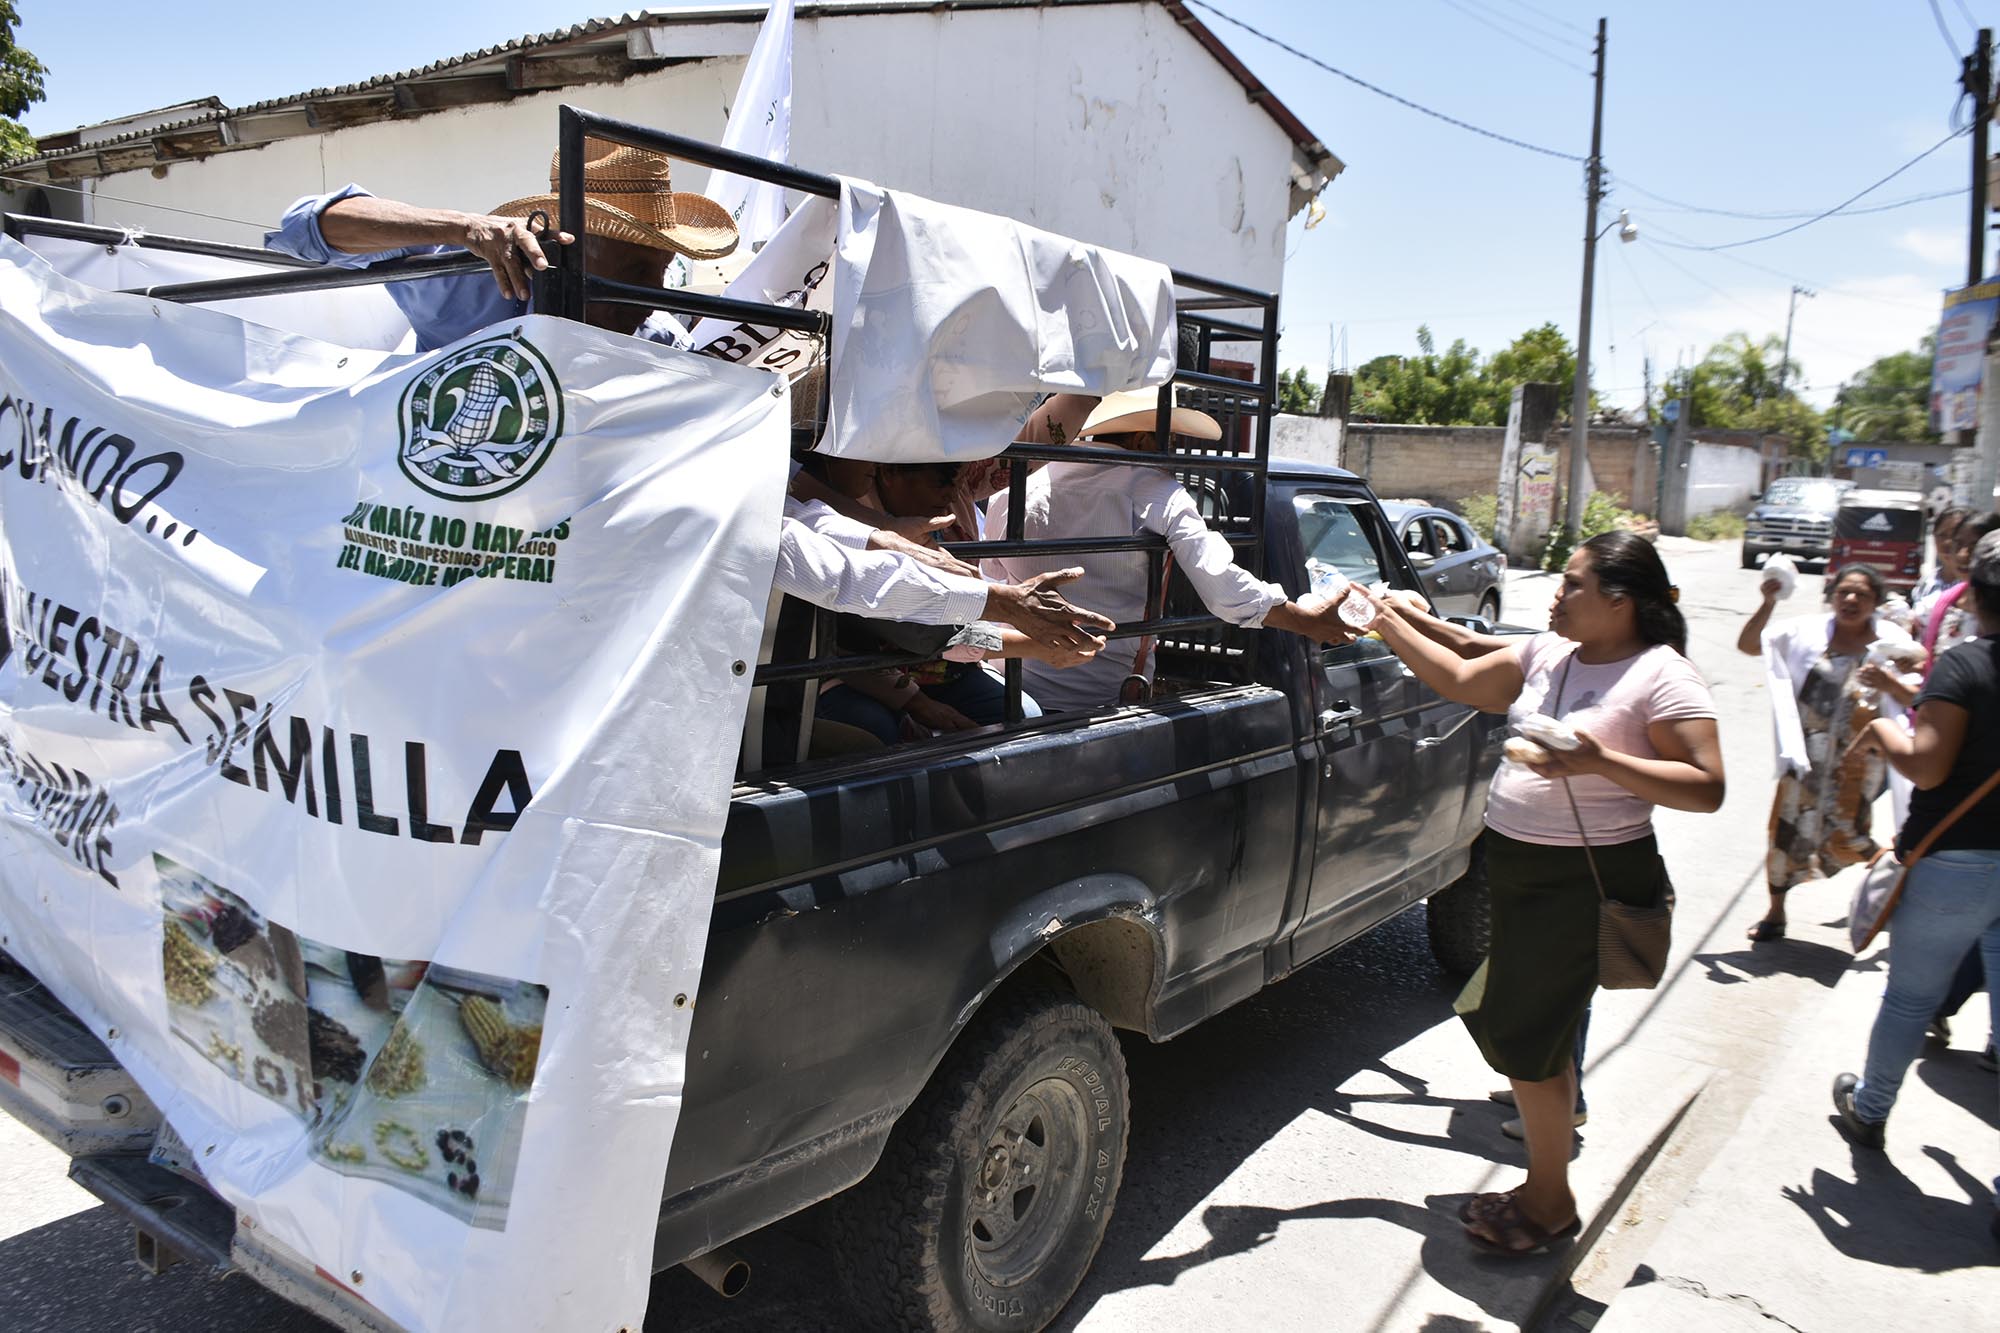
x: 1034, y: 607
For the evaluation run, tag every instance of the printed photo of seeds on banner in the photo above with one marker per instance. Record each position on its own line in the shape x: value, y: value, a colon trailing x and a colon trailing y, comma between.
x: 438, y: 1107
x: 236, y: 986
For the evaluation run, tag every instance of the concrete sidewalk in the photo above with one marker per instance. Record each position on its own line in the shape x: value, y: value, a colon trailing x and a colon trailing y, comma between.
x: 1790, y: 1223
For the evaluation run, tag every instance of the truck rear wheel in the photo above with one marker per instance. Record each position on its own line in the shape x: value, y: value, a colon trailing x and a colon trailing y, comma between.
x: 1459, y: 917
x: 993, y: 1193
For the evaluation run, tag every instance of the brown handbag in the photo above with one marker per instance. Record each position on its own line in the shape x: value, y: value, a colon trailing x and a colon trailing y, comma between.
x: 1632, y: 942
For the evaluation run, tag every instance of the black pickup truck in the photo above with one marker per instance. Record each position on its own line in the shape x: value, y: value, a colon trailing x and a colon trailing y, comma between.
x: 920, y: 957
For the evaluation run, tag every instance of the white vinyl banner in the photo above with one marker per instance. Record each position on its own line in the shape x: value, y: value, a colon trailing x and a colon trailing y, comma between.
x: 948, y: 324
x: 366, y: 734
x: 350, y: 316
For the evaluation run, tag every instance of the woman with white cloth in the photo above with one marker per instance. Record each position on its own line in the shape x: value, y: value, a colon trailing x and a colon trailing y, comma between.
x: 1821, y: 812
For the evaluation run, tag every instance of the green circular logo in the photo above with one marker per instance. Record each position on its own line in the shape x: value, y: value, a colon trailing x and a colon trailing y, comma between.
x: 479, y: 422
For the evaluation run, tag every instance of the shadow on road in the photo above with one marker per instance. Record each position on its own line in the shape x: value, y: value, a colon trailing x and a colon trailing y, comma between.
x: 1798, y: 958
x: 1957, y: 1077
x: 1202, y: 1105
x: 78, y: 1275
x: 1208, y: 1100
x: 1882, y: 1217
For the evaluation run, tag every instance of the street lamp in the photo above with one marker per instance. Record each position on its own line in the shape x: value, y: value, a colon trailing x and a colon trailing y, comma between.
x: 1579, y: 411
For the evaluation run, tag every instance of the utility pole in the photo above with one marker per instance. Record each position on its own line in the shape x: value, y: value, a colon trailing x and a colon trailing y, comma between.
x: 1785, y: 362
x: 1977, y: 80
x: 1580, y: 397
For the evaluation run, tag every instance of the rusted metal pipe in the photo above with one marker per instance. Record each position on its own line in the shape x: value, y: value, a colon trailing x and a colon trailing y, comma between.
x: 723, y: 1270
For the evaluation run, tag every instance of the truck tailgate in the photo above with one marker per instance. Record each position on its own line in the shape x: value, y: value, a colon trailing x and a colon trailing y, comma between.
x: 58, y: 1079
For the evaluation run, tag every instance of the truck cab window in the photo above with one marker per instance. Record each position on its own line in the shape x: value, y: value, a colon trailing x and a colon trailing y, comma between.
x: 1350, y: 535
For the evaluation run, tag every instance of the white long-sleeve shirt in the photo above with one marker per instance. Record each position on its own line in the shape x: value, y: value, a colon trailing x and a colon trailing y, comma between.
x: 1090, y: 500
x: 823, y: 558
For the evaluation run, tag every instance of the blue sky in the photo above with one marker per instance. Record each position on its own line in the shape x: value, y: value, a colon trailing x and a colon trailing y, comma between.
x: 1765, y: 106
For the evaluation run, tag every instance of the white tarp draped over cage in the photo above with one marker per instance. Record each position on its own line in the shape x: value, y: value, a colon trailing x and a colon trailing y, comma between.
x: 366, y: 733
x: 948, y: 324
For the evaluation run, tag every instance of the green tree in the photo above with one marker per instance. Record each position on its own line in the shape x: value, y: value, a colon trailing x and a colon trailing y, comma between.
x: 1541, y: 355
x: 20, y: 87
x: 1429, y: 389
x: 1735, y: 387
x: 1890, y: 399
x: 1297, y: 393
x: 1457, y: 387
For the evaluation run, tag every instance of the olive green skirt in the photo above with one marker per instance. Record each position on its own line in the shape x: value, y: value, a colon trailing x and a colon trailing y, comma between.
x: 1524, y: 1003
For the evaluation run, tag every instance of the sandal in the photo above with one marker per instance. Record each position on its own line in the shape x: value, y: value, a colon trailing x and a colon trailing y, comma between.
x: 1520, y: 1237
x: 1485, y: 1207
x: 1765, y: 931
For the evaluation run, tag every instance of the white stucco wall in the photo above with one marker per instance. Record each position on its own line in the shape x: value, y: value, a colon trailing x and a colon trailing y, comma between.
x: 1311, y: 439
x: 1107, y: 123
x: 1721, y: 476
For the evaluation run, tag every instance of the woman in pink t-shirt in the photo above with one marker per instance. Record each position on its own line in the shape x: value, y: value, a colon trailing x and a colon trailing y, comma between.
x: 1613, y: 668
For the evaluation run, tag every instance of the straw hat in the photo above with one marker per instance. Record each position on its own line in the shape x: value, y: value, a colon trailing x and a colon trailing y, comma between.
x: 628, y: 196
x: 1135, y: 410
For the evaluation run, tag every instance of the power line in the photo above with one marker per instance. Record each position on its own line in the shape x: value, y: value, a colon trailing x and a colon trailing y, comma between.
x: 1556, y: 19
x: 1828, y: 288
x: 1676, y: 206
x: 1558, y: 37
x: 1963, y: 9
x: 1690, y: 274
x: 1634, y: 271
x: 1950, y: 42
x: 1514, y: 36
x: 1817, y: 217
x: 1562, y: 40
x: 1384, y: 92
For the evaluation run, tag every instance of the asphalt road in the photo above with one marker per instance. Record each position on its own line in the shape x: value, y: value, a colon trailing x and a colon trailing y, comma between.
x: 1288, y: 1156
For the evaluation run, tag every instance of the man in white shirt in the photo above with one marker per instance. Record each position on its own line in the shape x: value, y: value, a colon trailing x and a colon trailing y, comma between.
x: 1102, y: 500
x: 824, y: 558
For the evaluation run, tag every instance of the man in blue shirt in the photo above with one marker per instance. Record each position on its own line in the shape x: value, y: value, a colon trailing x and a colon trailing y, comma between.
x: 634, y: 224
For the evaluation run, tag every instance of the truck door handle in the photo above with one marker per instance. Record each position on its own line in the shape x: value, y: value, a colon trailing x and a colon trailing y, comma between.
x: 1333, y: 719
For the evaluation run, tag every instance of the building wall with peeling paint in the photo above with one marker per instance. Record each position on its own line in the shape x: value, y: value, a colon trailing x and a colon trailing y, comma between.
x: 1107, y: 123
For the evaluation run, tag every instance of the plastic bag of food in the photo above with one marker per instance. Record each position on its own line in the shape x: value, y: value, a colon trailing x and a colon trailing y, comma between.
x: 1548, y: 732
x: 1521, y: 750
x: 1785, y: 570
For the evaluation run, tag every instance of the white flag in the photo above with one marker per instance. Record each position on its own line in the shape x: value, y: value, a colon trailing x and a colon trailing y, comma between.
x: 760, y: 123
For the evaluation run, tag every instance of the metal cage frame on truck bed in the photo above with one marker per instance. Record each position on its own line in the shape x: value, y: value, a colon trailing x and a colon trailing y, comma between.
x: 1209, y: 314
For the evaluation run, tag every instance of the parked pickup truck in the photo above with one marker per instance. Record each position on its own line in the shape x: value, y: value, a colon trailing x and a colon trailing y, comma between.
x: 920, y: 958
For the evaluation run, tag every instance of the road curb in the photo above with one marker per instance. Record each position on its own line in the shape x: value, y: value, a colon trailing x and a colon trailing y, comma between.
x: 1557, y: 1283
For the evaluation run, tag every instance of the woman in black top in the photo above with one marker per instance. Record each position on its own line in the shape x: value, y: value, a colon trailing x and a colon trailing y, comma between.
x: 1951, y: 899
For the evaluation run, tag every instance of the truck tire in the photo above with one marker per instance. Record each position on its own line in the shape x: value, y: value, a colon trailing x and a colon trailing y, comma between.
x: 1459, y: 917
x: 995, y: 1187
x: 1749, y: 558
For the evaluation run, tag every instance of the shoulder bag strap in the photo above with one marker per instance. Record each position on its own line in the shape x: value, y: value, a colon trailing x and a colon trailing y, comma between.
x: 1938, y: 829
x: 1562, y: 683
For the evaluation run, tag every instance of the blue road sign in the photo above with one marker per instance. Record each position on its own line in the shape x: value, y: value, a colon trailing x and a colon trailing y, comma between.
x: 1866, y: 457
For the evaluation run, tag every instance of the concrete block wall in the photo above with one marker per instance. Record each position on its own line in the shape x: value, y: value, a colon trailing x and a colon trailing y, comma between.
x: 1445, y: 464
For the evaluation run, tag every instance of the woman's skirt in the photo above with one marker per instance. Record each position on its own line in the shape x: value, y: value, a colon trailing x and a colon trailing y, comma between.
x: 1524, y: 1003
